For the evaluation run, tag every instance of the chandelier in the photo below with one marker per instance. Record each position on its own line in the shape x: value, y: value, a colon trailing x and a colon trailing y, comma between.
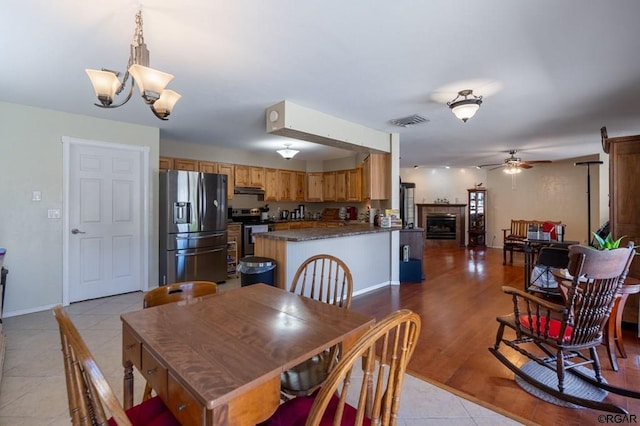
x: 465, y: 108
x: 287, y: 153
x: 150, y: 82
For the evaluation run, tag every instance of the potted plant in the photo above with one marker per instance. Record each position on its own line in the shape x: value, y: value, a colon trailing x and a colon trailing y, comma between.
x: 608, y: 243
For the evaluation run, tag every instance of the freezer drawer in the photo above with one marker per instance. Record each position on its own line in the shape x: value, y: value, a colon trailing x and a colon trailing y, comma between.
x: 206, y: 264
x: 196, y: 240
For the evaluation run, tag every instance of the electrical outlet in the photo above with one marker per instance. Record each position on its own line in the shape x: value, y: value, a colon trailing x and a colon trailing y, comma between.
x: 36, y: 196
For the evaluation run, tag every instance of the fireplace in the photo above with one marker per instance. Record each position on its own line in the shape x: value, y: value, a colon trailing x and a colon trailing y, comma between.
x: 443, y: 233
x: 441, y: 226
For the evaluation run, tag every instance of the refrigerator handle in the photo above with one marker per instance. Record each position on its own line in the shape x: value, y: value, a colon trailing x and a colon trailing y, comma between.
x: 199, y: 196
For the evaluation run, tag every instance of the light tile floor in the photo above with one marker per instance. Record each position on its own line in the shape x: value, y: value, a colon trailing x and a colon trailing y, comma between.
x: 33, y: 390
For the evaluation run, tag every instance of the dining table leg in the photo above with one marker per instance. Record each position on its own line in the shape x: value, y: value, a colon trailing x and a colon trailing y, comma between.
x: 127, y: 399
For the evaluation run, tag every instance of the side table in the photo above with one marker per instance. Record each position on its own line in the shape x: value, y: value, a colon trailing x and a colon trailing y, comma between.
x: 613, y: 329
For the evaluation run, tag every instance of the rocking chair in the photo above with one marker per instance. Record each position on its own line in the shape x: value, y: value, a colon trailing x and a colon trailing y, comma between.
x: 558, y: 334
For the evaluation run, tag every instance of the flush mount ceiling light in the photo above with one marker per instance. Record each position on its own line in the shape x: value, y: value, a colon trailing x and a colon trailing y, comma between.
x: 151, y: 82
x: 287, y: 153
x: 465, y: 108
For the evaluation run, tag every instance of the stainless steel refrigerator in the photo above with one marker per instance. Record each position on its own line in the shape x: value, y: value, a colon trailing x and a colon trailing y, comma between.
x: 193, y: 226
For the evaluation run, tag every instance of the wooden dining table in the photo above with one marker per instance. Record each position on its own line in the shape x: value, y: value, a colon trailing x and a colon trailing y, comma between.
x: 217, y: 360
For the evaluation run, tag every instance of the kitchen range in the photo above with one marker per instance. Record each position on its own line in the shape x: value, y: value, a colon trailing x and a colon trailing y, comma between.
x: 253, y: 221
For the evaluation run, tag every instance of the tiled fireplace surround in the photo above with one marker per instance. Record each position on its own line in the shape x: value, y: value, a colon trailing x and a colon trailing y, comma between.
x: 459, y: 210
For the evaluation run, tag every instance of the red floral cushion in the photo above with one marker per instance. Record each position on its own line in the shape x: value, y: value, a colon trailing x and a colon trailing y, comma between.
x: 554, y: 326
x: 151, y: 412
x: 295, y: 412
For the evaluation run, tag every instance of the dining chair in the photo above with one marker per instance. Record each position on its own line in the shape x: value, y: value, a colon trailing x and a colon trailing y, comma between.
x: 542, y: 282
x: 172, y: 293
x: 556, y: 337
x: 89, y: 392
x: 364, y: 387
x: 328, y: 279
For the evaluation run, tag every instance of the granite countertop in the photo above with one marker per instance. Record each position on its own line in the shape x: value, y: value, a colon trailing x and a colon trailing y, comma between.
x: 309, y: 234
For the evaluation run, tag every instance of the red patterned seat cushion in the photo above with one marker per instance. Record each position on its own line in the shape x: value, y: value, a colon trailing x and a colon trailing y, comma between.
x: 550, y: 228
x: 554, y: 326
x: 295, y: 412
x: 151, y: 412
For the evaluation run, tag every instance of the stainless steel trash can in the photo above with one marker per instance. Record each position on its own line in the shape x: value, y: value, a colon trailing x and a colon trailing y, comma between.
x: 255, y: 269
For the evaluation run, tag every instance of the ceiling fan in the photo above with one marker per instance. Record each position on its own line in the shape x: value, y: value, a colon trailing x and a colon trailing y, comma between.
x: 513, y: 164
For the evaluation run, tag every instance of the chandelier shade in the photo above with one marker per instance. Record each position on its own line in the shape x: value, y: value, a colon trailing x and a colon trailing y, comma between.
x: 287, y: 153
x: 467, y: 107
x: 151, y: 82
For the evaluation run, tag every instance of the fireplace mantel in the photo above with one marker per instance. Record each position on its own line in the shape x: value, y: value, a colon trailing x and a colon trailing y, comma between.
x: 458, y: 209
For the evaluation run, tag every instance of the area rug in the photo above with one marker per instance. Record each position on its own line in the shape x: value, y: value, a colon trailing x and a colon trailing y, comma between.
x: 572, y: 385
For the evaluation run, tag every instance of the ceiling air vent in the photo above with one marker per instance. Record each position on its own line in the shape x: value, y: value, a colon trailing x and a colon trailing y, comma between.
x: 410, y: 120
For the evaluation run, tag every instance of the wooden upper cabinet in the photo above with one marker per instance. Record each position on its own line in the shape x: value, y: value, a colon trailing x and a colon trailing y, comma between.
x: 314, y: 186
x: 300, y: 179
x: 207, y: 167
x: 229, y: 170
x: 271, y: 184
x: 354, y: 184
x: 185, y: 164
x: 286, y: 185
x: 166, y: 163
x: 376, y: 177
x: 341, y: 185
x: 249, y: 176
x: 329, y: 186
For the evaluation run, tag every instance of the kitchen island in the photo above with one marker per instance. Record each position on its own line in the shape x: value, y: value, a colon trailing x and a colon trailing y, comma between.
x: 366, y: 249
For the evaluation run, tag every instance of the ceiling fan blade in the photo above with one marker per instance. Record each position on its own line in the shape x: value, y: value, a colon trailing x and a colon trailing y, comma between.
x: 496, y: 168
x: 524, y: 165
x: 490, y: 165
x: 538, y: 162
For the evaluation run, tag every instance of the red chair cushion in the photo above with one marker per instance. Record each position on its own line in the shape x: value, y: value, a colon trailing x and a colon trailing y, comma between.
x: 554, y: 326
x: 151, y: 412
x: 295, y: 412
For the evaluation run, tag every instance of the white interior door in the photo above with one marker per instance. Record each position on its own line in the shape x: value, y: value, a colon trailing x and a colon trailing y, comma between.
x: 105, y: 226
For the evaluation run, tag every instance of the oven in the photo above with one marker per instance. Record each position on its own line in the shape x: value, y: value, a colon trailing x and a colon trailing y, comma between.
x: 248, y: 240
x: 251, y: 225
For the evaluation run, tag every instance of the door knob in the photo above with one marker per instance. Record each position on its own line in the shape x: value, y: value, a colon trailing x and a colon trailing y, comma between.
x: 77, y: 231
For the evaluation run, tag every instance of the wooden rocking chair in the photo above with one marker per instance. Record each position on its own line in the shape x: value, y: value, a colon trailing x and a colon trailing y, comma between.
x: 560, y: 333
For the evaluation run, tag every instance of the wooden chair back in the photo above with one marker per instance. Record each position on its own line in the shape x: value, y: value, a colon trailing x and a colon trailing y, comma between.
x: 385, y: 351
x: 87, y: 389
x: 176, y: 292
x: 325, y: 278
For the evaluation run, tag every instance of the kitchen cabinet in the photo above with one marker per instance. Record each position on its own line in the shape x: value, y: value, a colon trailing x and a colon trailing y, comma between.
x: 207, y: 167
x: 477, y: 208
x: 341, y: 185
x: 249, y: 176
x: 228, y: 170
x: 329, y: 186
x: 286, y: 185
x: 271, y: 186
x: 354, y: 184
x: 376, y: 177
x: 185, y: 164
x: 314, y: 186
x: 300, y: 182
x: 165, y: 163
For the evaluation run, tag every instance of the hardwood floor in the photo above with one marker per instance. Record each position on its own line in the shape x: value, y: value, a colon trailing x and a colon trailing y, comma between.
x: 458, y: 303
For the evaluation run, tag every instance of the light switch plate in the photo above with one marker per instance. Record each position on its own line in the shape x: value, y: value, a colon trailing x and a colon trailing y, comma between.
x: 36, y: 196
x: 53, y: 214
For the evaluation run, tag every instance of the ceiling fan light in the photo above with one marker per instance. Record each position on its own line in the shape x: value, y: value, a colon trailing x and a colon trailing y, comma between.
x: 511, y: 170
x: 105, y: 84
x: 151, y: 82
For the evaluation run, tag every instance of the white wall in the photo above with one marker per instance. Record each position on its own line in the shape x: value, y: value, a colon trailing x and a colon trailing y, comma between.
x: 31, y: 160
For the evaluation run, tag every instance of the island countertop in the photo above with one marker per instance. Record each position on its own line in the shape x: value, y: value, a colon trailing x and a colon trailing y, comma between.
x: 308, y: 234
